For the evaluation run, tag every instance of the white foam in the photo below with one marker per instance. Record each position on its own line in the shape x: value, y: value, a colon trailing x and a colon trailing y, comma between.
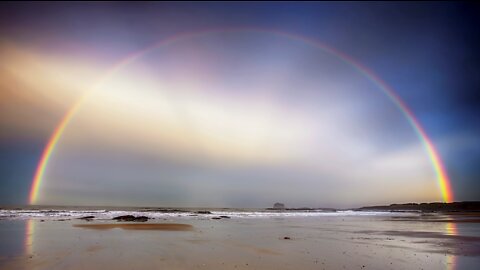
x: 105, y: 214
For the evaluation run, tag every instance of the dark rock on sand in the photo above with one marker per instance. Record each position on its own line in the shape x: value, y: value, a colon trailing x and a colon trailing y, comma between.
x: 203, y: 212
x: 141, y: 219
x: 124, y: 218
x: 286, y: 238
x: 131, y: 218
x: 216, y: 218
x: 224, y: 217
x: 87, y: 217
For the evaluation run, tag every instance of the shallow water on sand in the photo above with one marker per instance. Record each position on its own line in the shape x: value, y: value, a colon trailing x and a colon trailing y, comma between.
x: 379, y: 241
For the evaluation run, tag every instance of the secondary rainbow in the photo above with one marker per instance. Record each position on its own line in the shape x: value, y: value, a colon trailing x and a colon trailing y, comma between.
x: 440, y: 171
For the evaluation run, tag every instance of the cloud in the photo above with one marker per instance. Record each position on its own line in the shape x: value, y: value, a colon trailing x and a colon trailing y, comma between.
x: 37, y: 89
x: 239, y: 135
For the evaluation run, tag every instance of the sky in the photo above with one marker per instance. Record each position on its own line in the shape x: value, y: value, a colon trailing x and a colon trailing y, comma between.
x: 238, y: 104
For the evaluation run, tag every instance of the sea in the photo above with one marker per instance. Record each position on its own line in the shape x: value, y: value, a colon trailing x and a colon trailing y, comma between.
x: 106, y: 213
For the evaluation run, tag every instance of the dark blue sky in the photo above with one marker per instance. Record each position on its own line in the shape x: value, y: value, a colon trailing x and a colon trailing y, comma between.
x: 428, y: 52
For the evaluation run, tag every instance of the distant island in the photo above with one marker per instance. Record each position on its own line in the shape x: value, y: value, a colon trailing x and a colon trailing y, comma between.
x: 469, y: 206
x: 278, y: 205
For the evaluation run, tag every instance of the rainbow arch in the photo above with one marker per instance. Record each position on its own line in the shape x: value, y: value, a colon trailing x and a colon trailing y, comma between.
x: 441, y: 175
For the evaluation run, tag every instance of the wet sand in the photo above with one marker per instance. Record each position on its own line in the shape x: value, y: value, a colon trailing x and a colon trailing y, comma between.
x: 138, y: 226
x: 335, y: 242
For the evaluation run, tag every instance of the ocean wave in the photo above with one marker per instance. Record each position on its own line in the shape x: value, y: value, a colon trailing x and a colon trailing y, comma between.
x: 109, y: 214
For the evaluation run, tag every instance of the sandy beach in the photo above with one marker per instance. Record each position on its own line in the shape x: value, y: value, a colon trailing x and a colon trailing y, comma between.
x: 380, y: 241
x: 138, y: 226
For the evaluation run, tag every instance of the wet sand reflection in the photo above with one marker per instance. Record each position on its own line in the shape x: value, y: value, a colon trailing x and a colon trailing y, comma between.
x: 29, y: 236
x: 451, y: 259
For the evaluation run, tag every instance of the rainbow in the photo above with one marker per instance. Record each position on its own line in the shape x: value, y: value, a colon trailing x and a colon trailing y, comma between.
x: 440, y: 171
